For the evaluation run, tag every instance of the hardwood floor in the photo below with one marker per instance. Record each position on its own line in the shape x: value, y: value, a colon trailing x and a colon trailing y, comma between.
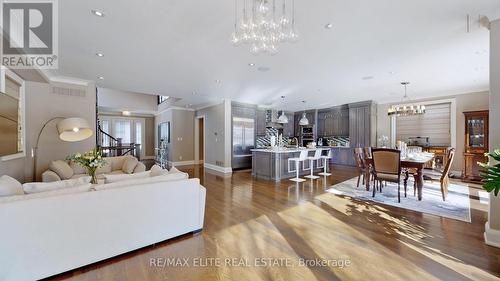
x: 248, y: 219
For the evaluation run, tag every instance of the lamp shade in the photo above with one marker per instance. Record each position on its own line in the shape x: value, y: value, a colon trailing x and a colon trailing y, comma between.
x: 304, y: 121
x: 282, y: 118
x: 74, y: 129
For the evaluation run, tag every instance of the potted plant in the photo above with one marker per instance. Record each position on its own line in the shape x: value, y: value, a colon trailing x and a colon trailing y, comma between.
x: 491, y: 173
x: 91, y: 161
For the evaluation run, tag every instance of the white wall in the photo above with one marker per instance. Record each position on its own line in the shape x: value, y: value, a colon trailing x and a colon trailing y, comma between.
x: 215, y: 135
x: 465, y: 102
x: 42, y: 105
x: 181, y: 146
x: 129, y: 101
x: 492, y: 233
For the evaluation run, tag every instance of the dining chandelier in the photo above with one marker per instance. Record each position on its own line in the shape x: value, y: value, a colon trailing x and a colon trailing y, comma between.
x: 263, y: 24
x: 406, y: 109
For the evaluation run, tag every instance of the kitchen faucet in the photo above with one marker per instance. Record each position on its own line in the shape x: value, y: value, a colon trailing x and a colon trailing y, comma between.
x: 296, y: 142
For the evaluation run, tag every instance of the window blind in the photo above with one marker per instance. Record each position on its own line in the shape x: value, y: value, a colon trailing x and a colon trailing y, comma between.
x: 435, y: 124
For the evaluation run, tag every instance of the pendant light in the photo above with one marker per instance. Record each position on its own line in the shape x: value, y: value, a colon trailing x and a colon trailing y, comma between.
x: 407, y: 108
x: 304, y: 121
x: 282, y: 118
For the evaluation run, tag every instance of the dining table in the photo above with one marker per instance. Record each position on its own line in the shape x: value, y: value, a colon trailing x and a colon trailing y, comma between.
x: 417, y: 163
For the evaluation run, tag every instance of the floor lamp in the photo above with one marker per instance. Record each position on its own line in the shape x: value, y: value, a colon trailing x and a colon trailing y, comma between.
x: 70, y: 129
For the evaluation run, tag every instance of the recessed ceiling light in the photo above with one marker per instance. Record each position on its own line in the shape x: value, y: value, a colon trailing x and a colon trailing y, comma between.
x: 99, y: 54
x: 328, y: 26
x: 251, y: 64
x: 392, y: 72
x: 100, y: 77
x: 98, y: 13
x: 218, y: 81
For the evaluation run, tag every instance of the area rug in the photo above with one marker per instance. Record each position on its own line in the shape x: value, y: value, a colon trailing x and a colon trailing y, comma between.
x: 456, y: 206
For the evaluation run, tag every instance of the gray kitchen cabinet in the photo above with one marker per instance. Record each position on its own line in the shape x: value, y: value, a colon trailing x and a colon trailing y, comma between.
x: 362, y: 118
x: 261, y: 122
x: 289, y: 128
x: 321, y: 127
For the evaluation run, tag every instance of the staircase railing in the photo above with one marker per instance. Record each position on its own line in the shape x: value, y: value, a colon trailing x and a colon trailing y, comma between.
x: 112, y: 146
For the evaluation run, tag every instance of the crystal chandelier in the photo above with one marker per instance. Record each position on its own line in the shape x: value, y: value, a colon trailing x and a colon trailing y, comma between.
x: 407, y: 109
x: 264, y: 24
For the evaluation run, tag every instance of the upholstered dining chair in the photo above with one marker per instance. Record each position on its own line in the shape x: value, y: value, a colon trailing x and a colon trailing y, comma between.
x: 361, y: 164
x: 387, y: 167
x: 444, y: 176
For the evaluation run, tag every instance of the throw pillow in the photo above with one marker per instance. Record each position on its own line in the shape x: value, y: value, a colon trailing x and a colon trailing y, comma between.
x: 104, y: 169
x: 62, y: 169
x: 77, y: 168
x: 129, y: 165
x: 158, y: 171
x: 174, y: 170
x: 37, y: 187
x: 10, y: 186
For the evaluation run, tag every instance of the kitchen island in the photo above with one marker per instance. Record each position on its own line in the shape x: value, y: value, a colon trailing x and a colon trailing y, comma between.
x: 272, y: 164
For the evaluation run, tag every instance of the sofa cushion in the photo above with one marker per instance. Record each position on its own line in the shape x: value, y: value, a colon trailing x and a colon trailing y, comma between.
x: 77, y: 168
x: 62, y: 169
x: 157, y: 171
x: 37, y: 187
x: 110, y: 178
x: 117, y: 161
x: 10, y: 186
x: 174, y: 170
x: 140, y: 168
x: 105, y: 169
x: 57, y: 192
x: 130, y: 182
x: 129, y: 165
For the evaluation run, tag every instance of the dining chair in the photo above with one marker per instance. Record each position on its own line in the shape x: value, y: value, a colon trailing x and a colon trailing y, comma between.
x: 387, y: 167
x: 360, y: 164
x: 444, y: 176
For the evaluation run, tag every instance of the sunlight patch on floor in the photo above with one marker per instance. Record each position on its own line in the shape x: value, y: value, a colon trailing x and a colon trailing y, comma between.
x: 255, y: 239
x: 454, y: 264
x: 331, y: 238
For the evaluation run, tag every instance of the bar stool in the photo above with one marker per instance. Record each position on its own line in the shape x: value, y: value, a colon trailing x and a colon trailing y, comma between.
x: 316, y: 157
x: 326, y: 159
x: 302, y: 157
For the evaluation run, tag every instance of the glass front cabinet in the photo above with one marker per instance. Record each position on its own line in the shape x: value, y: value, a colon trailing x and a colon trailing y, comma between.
x: 476, y: 143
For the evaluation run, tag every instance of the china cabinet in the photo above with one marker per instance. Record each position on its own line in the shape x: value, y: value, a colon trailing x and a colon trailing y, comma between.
x: 476, y: 143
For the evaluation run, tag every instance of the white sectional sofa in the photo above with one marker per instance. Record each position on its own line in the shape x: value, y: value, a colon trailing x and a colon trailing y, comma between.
x: 48, y: 235
x: 63, y: 170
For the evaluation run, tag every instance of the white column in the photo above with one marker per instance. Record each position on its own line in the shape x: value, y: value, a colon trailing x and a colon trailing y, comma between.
x: 228, y: 146
x: 492, y: 227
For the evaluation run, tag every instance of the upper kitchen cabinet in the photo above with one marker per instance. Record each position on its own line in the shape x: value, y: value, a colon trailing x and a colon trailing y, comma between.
x: 362, y: 124
x: 260, y: 122
x: 289, y: 128
x: 333, y: 121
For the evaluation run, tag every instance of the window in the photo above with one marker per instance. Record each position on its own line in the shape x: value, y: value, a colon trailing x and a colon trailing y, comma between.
x: 138, y: 132
x: 105, y: 128
x: 123, y: 131
x: 162, y: 99
x: 435, y: 124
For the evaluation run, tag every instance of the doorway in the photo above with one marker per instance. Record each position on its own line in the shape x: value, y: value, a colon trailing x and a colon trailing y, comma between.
x: 199, y: 149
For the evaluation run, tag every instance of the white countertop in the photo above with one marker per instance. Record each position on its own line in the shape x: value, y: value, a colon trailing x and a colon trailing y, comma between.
x: 285, y: 149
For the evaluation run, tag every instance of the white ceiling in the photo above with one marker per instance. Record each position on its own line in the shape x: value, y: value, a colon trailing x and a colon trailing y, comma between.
x: 175, y: 47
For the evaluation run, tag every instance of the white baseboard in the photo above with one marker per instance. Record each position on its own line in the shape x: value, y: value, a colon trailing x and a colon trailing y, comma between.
x: 491, y: 236
x: 199, y: 162
x: 224, y: 170
x: 181, y: 163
